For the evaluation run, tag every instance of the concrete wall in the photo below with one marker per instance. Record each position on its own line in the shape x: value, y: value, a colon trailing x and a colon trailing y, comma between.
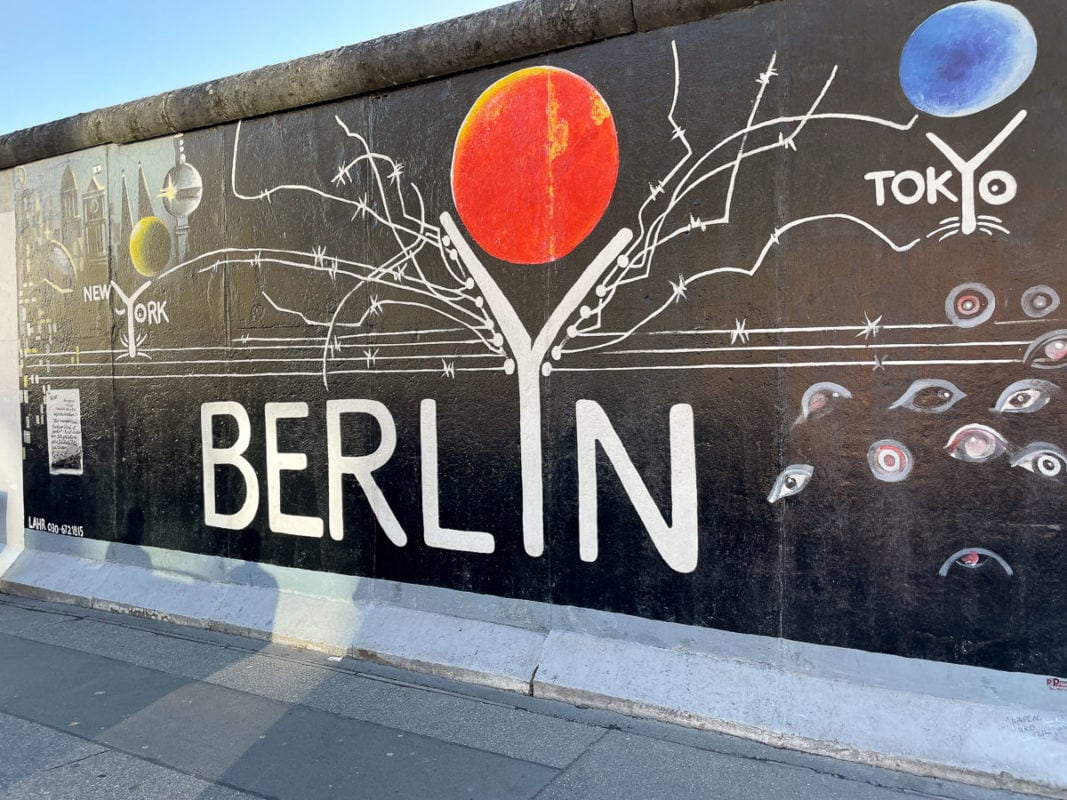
x: 11, y: 425
x: 729, y: 344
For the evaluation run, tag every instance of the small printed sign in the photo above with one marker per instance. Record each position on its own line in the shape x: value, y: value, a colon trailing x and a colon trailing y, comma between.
x: 64, y: 418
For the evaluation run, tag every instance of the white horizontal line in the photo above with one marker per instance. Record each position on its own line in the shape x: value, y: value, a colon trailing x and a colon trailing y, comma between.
x: 332, y: 373
x: 868, y: 364
x: 745, y: 348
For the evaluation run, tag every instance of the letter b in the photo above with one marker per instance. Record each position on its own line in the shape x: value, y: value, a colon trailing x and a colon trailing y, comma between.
x: 231, y: 456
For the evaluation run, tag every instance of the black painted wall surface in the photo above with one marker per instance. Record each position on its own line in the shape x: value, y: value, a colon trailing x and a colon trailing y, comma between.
x: 809, y: 310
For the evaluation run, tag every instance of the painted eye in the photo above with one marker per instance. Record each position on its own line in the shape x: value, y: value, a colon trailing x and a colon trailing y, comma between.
x: 929, y: 396
x: 1039, y: 301
x: 973, y: 558
x: 1048, y: 351
x: 889, y: 460
x: 1025, y: 397
x: 790, y: 481
x: 976, y: 444
x: 1042, y: 458
x: 969, y: 305
x: 820, y: 399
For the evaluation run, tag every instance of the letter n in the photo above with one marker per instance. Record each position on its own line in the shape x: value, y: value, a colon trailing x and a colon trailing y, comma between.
x: 676, y: 543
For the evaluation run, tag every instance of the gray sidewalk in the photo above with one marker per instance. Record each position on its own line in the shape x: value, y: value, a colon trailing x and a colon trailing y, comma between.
x: 98, y: 705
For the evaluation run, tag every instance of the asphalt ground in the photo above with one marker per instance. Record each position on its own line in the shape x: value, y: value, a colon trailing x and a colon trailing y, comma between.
x: 101, y: 705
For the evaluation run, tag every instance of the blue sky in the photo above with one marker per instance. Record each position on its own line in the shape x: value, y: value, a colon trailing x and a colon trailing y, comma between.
x: 62, y: 57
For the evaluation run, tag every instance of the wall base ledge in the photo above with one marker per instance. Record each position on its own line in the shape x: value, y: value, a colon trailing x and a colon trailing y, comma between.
x: 978, y: 726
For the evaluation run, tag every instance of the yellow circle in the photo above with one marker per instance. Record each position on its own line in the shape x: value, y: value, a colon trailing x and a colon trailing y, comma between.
x: 150, y: 245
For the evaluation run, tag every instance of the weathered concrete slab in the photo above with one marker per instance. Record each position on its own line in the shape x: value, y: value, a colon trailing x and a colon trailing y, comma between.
x: 652, y: 14
x: 29, y: 748
x: 111, y: 774
x: 311, y: 679
x: 910, y: 729
x: 470, y: 650
x: 962, y: 723
x: 162, y: 718
x: 42, y: 762
x: 666, y: 771
x: 106, y: 673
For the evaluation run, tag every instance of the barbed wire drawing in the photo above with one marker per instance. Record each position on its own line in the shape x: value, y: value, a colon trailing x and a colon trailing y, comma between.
x: 431, y: 272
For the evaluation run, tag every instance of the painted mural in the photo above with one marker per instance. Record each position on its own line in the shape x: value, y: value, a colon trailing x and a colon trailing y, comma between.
x: 752, y: 323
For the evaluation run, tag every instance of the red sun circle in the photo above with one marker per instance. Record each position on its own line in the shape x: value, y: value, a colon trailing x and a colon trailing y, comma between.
x: 535, y: 165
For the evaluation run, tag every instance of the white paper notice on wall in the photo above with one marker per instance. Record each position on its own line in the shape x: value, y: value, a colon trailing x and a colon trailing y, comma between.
x: 64, y: 416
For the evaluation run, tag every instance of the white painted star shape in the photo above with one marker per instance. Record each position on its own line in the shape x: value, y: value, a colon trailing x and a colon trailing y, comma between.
x: 870, y: 327
x: 739, y: 334
x: 678, y: 289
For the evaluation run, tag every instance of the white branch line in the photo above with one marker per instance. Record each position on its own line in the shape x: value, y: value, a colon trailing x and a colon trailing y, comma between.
x: 679, y: 134
x: 373, y: 277
x: 323, y: 324
x: 735, y: 164
x: 299, y: 187
x: 744, y: 271
x: 395, y: 264
x: 624, y: 273
x: 493, y: 347
x: 407, y: 253
x: 757, y: 151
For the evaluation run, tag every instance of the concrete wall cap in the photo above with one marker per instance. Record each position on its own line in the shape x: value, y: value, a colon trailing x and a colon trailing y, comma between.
x: 508, y: 33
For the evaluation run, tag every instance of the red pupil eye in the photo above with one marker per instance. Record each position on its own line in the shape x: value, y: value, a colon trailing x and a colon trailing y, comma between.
x: 1056, y: 350
x: 890, y: 459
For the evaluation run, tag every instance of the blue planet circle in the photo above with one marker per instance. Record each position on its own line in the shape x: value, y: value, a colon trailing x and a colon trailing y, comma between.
x: 967, y: 57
